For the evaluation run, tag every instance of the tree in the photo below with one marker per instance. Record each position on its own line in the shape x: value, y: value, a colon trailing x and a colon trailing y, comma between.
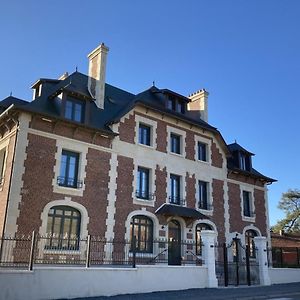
x: 290, y: 204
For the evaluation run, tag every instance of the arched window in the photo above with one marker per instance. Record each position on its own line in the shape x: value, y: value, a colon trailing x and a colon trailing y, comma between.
x: 63, y: 228
x: 249, y: 239
x: 199, y: 228
x: 141, y: 227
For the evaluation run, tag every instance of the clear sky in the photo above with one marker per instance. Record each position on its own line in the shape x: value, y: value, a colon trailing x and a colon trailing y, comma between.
x: 245, y: 53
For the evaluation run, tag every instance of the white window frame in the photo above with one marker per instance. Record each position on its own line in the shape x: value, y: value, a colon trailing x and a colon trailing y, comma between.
x: 208, y: 212
x: 153, y: 127
x: 182, y: 186
x: 182, y: 134
x: 207, y: 142
x: 244, y: 188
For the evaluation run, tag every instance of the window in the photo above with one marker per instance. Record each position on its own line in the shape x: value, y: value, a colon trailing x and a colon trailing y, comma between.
x: 199, y: 228
x: 171, y: 103
x: 69, y: 170
x: 74, y: 110
x: 175, y: 105
x: 249, y: 239
x: 144, y: 134
x: 247, y: 204
x: 2, y: 164
x: 175, y: 189
x: 180, y: 107
x: 245, y: 162
x: 175, y: 143
x: 141, y: 228
x: 203, y: 198
x: 143, y: 183
x: 63, y: 228
x: 202, y: 151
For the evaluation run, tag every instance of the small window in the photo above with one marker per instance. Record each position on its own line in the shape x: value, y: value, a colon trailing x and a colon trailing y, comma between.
x: 175, y: 189
x: 199, y: 228
x: 143, y: 183
x: 144, y: 134
x: 63, y: 228
x: 247, y: 204
x: 202, y: 151
x: 249, y: 237
x: 141, y: 227
x: 175, y: 143
x: 203, y: 195
x: 171, y: 103
x: 74, y: 110
x: 180, y: 107
x: 69, y: 170
x: 245, y: 162
x: 2, y: 164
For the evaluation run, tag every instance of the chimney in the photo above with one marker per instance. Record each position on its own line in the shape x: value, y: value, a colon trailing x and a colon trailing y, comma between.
x: 199, y: 105
x: 97, y: 67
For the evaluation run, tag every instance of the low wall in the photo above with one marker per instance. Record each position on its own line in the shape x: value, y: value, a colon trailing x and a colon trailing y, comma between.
x: 55, y: 283
x: 284, y: 275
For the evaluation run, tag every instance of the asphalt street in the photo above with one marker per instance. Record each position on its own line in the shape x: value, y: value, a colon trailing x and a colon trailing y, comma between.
x: 290, y: 291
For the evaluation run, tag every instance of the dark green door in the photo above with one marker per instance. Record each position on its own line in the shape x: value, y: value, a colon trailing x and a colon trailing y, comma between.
x: 174, y: 249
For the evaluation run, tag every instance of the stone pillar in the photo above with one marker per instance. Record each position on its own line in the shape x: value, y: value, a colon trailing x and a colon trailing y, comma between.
x: 208, y: 250
x: 261, y: 245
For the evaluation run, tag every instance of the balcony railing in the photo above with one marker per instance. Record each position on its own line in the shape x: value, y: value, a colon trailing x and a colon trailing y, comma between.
x: 176, y: 200
x: 249, y: 214
x: 205, y: 206
x: 69, y: 182
x: 144, y: 195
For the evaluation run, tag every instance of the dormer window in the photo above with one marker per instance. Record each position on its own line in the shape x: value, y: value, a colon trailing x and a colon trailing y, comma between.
x: 74, y: 110
x: 245, y: 162
x: 176, y: 104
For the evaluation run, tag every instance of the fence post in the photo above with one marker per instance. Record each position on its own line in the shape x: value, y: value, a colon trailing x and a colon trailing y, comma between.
x: 225, y: 255
x: 208, y: 238
x: 261, y: 245
x: 31, y: 257
x: 134, y: 251
x: 88, y: 251
x: 248, y: 264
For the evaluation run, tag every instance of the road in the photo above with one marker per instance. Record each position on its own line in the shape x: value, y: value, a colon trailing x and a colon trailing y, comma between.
x: 289, y: 291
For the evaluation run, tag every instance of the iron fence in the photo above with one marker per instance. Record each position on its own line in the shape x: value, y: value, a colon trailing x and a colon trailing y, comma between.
x: 25, y: 252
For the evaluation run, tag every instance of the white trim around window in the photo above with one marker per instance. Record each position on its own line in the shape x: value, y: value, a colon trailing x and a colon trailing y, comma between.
x: 207, y: 142
x: 208, y: 212
x: 244, y: 188
x: 153, y: 126
x: 182, y: 134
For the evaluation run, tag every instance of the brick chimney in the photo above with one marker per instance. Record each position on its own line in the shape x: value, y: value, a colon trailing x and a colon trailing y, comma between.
x: 97, y: 68
x: 198, y: 107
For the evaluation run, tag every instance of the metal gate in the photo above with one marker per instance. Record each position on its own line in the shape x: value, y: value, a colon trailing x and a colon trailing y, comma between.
x: 238, y: 265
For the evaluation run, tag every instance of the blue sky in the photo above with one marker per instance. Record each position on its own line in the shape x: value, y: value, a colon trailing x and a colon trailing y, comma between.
x: 245, y: 53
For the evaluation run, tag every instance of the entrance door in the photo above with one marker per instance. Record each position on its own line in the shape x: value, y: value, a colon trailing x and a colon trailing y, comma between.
x: 174, y: 249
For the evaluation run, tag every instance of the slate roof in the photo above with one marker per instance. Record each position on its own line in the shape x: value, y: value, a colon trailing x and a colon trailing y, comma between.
x: 5, y: 103
x: 236, y: 147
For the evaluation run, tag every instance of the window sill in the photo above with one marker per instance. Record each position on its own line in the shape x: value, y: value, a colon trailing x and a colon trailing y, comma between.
x: 68, y: 190
x: 203, y: 162
x: 145, y: 202
x: 176, y: 154
x: 208, y: 212
x: 146, y: 146
x: 248, y: 219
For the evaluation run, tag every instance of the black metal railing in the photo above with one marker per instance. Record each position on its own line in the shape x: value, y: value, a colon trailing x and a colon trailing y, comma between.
x: 145, y: 195
x: 25, y: 252
x: 69, y: 182
x: 205, y: 206
x: 249, y: 214
x: 177, y: 200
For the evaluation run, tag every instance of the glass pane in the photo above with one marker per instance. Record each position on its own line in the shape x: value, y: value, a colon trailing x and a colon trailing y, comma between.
x: 68, y: 110
x: 74, y: 228
x: 63, y: 165
x: 57, y: 226
x: 78, y: 112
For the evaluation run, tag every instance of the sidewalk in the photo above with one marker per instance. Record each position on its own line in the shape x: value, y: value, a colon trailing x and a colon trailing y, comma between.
x: 288, y: 291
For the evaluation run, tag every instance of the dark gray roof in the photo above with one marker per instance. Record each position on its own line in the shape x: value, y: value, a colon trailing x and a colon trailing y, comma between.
x: 236, y: 147
x: 181, y: 211
x: 5, y: 103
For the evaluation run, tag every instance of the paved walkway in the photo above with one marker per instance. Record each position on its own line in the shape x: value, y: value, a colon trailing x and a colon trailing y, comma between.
x: 289, y: 291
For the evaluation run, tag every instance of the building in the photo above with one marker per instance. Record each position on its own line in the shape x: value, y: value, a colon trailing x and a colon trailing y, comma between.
x: 84, y: 157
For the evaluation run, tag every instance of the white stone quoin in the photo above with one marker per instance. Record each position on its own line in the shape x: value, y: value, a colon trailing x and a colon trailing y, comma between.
x: 261, y: 245
x: 208, y: 240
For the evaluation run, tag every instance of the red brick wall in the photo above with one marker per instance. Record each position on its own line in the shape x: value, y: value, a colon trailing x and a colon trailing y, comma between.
x: 260, y: 211
x: 245, y: 179
x: 161, y: 136
x: 38, y: 191
x: 218, y: 203
x: 71, y: 131
x: 127, y: 129
x: 216, y: 156
x: 190, y: 189
x: 190, y: 145
x: 6, y: 183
